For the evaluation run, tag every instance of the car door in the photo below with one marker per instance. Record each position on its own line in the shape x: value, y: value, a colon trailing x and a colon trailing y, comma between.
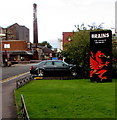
x: 48, y: 66
x: 59, y: 66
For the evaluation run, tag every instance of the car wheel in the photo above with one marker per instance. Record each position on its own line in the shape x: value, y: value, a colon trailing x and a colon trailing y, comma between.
x: 40, y: 73
x: 74, y: 73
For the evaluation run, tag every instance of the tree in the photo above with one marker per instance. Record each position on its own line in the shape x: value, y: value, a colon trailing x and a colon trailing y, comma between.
x: 114, y: 46
x: 45, y: 43
x: 114, y: 55
x: 78, y: 51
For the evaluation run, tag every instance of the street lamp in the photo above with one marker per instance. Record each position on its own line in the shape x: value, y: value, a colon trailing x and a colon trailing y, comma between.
x: 69, y: 39
x: 1, y: 59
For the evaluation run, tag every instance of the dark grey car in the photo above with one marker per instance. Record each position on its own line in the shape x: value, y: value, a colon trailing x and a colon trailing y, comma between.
x: 53, y: 68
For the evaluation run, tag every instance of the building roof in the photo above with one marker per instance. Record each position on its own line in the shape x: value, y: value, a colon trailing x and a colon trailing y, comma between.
x: 47, y: 50
x: 17, y: 25
x: 13, y: 25
x: 22, y: 52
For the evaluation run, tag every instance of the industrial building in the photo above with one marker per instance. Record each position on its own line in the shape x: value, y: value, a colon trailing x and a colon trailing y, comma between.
x: 15, y: 43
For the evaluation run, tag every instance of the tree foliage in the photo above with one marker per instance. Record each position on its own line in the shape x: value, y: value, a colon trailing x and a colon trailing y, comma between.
x: 78, y: 51
x: 114, y: 45
x: 45, y: 43
x: 114, y: 56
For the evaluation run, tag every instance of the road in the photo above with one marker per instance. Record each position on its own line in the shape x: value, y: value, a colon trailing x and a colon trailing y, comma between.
x: 14, y: 70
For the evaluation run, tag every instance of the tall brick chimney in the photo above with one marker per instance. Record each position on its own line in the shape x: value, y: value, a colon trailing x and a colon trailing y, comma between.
x: 35, y: 33
x: 35, y: 26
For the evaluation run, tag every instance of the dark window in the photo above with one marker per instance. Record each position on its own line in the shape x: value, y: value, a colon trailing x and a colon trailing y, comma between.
x: 58, y: 63
x: 49, y: 63
x: 41, y: 63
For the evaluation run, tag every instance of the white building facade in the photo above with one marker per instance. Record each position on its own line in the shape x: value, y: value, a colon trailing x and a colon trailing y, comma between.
x: 60, y: 45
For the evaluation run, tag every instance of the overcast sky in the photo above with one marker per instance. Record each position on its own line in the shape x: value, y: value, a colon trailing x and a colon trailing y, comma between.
x: 57, y: 16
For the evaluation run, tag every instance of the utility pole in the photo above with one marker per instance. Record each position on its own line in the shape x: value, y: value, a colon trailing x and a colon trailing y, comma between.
x: 1, y: 54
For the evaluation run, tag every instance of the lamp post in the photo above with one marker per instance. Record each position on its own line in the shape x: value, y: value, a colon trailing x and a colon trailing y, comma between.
x: 1, y: 58
x: 69, y: 39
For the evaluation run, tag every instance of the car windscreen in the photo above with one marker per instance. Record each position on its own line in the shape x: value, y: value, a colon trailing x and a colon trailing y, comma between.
x: 49, y: 63
x: 41, y: 63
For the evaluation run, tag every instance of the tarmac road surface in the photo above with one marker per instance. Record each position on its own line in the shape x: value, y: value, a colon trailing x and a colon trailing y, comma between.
x: 14, y: 70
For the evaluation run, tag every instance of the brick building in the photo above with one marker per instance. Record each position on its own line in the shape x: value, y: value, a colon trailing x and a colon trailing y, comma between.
x: 17, y: 32
x: 16, y: 46
x: 2, y: 33
x: 67, y: 37
x: 16, y: 43
x: 17, y: 50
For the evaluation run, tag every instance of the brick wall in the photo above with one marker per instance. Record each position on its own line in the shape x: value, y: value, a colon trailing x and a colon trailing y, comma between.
x: 14, y: 45
x: 11, y: 32
x: 17, y: 32
x: 66, y: 36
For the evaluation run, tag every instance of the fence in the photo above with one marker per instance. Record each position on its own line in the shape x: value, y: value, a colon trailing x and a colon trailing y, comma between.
x: 21, y: 82
x: 25, y: 115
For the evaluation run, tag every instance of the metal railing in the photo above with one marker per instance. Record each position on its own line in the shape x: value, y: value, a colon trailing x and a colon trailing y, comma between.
x: 25, y: 115
x: 21, y: 82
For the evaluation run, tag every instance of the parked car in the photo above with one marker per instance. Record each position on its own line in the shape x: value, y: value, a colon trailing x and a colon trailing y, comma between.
x: 53, y: 67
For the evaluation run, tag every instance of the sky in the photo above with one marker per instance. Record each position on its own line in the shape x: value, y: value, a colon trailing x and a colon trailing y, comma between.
x: 57, y: 16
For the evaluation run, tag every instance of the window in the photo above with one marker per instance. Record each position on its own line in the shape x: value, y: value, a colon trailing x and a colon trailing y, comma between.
x: 49, y: 63
x: 41, y: 63
x: 58, y: 63
x: 6, y: 45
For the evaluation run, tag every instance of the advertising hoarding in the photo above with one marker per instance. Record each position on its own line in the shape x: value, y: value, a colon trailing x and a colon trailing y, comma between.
x: 100, y: 56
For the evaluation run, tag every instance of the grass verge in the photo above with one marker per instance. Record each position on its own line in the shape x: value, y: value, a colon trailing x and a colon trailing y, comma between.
x: 68, y: 99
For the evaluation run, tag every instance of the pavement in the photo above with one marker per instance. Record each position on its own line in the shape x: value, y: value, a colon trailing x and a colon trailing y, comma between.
x: 8, y: 102
x: 9, y: 110
x: 0, y: 101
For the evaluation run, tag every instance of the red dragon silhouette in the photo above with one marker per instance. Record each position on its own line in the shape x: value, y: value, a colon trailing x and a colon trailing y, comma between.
x: 97, y: 65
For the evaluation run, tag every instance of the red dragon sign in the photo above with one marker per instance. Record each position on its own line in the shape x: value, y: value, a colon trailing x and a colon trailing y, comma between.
x: 98, y: 65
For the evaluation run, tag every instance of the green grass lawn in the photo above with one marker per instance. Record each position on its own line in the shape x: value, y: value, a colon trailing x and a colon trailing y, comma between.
x: 68, y: 99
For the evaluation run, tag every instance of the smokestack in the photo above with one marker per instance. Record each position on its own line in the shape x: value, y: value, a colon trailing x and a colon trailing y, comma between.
x: 35, y: 27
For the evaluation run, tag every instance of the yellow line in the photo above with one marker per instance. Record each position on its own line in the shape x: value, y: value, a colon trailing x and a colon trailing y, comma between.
x: 16, y: 76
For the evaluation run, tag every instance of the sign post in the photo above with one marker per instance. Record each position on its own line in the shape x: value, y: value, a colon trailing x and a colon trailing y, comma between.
x: 101, y: 56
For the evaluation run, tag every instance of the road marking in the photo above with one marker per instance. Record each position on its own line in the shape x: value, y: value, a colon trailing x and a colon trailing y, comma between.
x: 13, y: 77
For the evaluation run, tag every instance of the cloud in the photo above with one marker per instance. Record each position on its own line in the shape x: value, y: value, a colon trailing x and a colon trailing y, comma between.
x: 56, y: 16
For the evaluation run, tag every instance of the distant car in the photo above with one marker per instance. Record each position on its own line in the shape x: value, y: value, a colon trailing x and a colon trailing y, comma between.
x: 53, y: 67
